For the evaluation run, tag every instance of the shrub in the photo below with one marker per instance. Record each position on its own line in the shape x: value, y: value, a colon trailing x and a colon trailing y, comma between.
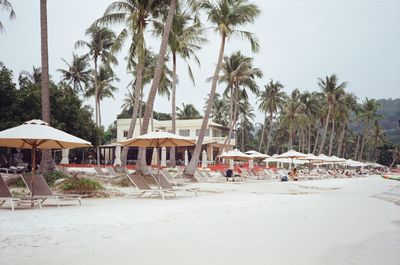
x: 81, y: 185
x: 52, y: 177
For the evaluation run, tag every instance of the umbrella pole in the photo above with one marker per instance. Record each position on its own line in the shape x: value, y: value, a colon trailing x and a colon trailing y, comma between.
x: 33, y: 150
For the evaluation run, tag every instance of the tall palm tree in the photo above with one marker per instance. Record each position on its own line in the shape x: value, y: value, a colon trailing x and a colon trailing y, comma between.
x: 135, y: 16
x: 188, y: 111
x: 331, y: 89
x: 105, y: 89
x: 219, y: 113
x: 101, y: 40
x: 6, y: 5
x: 346, y: 106
x: 239, y: 74
x: 377, y: 139
x: 227, y: 16
x: 185, y: 39
x: 26, y: 78
x: 368, y: 115
x: 271, y: 100
x: 293, y: 115
x: 246, y: 117
x: 77, y: 73
x: 313, y: 104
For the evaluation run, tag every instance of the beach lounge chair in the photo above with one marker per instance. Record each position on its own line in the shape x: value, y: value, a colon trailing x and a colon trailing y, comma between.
x: 144, y: 188
x: 43, y: 190
x: 213, y: 177
x: 114, y: 173
x: 99, y: 171
x: 5, y: 195
x: 167, y: 186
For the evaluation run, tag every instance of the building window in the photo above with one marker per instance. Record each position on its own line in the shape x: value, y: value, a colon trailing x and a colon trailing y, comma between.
x: 125, y: 134
x: 207, y: 133
x: 184, y: 132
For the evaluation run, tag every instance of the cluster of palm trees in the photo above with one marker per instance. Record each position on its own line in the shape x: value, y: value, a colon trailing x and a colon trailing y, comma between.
x: 314, y: 122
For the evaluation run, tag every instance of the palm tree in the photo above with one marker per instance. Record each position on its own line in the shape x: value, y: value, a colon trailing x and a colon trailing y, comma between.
x: 271, y: 100
x: 6, y: 5
x: 156, y: 82
x: 77, y: 73
x: 368, y: 115
x: 345, y: 107
x: 35, y: 78
x: 219, y: 113
x: 227, y: 16
x: 377, y: 139
x: 293, y: 115
x: 135, y: 16
x: 185, y: 38
x: 395, y: 154
x: 105, y: 89
x: 246, y: 117
x: 313, y: 104
x: 238, y: 73
x: 187, y: 112
x: 101, y: 40
x: 331, y: 90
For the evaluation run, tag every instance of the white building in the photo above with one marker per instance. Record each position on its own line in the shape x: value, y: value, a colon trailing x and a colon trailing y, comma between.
x: 213, y: 141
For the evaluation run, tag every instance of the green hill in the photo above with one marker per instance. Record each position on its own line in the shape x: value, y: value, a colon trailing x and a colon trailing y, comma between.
x: 390, y: 111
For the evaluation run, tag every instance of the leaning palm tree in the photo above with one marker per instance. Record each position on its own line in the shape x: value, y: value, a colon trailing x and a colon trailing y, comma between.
x: 101, y: 40
x: 102, y: 87
x: 271, y: 101
x: 368, y: 115
x: 185, y: 39
x: 227, y: 16
x: 6, y: 5
x: 238, y: 74
x: 77, y: 73
x: 331, y: 89
x: 135, y: 16
x: 187, y: 112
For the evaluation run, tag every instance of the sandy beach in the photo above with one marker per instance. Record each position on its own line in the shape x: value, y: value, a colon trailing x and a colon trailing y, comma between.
x: 335, y: 221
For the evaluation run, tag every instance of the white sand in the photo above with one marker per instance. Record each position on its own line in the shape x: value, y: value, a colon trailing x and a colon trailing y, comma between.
x: 338, y: 221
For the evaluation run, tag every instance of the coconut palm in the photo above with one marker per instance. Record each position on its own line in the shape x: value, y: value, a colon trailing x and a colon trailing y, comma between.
x: 368, y: 115
x: 331, y: 89
x: 26, y: 78
x: 271, y: 101
x: 134, y: 16
x: 185, y: 39
x: 101, y: 40
x: 105, y: 87
x: 246, y: 118
x: 77, y: 73
x: 226, y: 16
x: 238, y: 74
x: 377, y: 138
x: 345, y: 107
x: 188, y: 111
x: 6, y: 5
x: 219, y: 113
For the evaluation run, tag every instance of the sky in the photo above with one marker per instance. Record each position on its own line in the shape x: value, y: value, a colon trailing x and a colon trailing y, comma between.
x: 301, y: 40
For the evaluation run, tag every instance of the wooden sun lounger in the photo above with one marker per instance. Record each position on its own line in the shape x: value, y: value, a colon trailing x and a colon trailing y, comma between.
x: 99, y: 171
x: 42, y: 190
x: 167, y: 186
x: 5, y: 195
x: 144, y: 188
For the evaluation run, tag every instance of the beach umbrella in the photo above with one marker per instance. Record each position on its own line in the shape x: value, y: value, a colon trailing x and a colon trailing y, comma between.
x: 154, y: 157
x: 256, y: 155
x: 37, y: 134
x: 163, y: 157
x: 157, y: 140
x: 186, y: 158
x: 291, y: 154
x: 65, y: 154
x: 233, y: 155
x: 117, y: 160
x: 204, y: 159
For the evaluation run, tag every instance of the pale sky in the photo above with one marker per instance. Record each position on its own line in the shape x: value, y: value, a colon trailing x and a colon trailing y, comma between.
x: 300, y: 40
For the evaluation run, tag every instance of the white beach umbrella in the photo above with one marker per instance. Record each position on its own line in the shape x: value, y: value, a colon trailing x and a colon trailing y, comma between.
x: 186, y: 158
x: 65, y: 154
x: 204, y: 159
x: 256, y: 155
x: 163, y: 157
x: 291, y: 154
x: 37, y: 134
x: 235, y: 155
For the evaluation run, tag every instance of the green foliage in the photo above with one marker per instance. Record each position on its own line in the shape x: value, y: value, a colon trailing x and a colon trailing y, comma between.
x: 81, y: 185
x: 67, y: 111
x: 52, y: 177
x: 390, y: 111
x: 160, y: 116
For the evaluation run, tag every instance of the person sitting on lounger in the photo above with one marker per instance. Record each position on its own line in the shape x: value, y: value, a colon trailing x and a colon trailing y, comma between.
x: 293, y: 174
x: 229, y: 174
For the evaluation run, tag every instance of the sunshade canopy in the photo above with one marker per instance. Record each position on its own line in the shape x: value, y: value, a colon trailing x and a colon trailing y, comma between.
x: 159, y: 139
x: 291, y: 154
x: 255, y: 154
x: 40, y: 134
x: 235, y: 155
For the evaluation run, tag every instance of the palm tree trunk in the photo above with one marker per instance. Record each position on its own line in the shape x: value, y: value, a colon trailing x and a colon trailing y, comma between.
x: 173, y: 111
x: 189, y: 170
x: 156, y: 82
x: 332, y: 134
x: 269, y: 132
x: 262, y: 132
x: 46, y: 164
x: 340, y: 144
x: 235, y: 92
x: 321, y: 148
x: 231, y: 116
x: 316, y: 141
x: 356, y: 152
x: 309, y: 139
x: 365, y: 135
x: 243, y: 138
